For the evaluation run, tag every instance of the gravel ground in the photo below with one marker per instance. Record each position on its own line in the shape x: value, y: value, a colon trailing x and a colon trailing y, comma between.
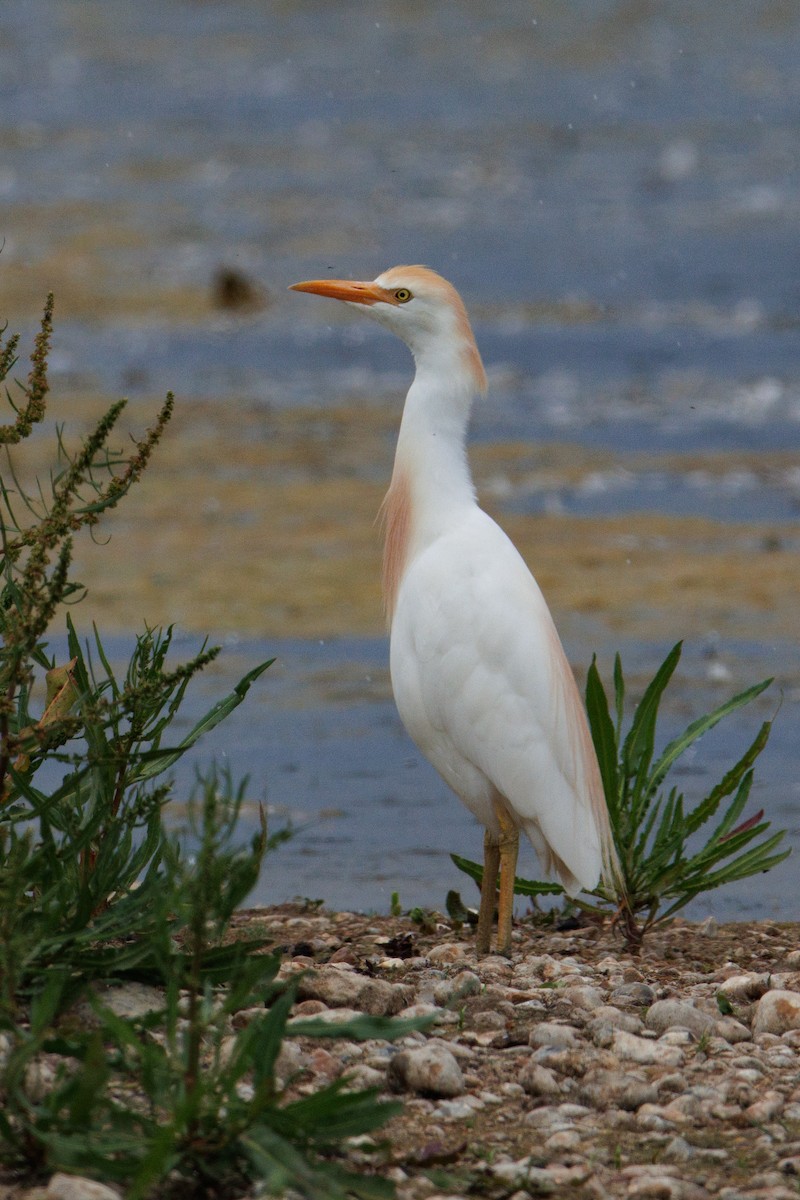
x: 572, y: 1069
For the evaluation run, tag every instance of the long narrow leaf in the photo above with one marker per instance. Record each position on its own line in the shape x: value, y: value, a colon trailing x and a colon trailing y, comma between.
x: 730, y: 781
x: 673, y: 751
x: 639, y: 745
x: 637, y: 749
x: 213, y: 717
x: 522, y: 887
x: 619, y: 694
x: 603, y: 736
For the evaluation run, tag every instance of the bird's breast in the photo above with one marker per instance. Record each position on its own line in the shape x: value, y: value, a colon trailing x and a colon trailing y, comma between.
x: 397, y: 520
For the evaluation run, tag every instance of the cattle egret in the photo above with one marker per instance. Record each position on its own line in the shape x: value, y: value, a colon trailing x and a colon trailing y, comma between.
x: 479, y: 675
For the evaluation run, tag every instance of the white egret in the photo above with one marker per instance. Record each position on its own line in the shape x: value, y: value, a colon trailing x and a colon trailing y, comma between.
x: 479, y: 674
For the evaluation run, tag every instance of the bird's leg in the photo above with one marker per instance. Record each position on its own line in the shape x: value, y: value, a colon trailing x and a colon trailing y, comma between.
x: 508, y: 846
x: 491, y: 865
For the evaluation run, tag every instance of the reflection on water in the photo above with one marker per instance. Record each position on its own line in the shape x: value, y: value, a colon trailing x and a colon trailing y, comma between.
x: 614, y: 187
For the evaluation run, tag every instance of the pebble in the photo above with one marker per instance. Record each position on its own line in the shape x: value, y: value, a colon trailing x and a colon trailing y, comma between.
x: 550, y: 1034
x: 128, y: 1000
x: 743, y: 989
x: 447, y: 952
x: 462, y: 985
x: 776, y: 1012
x: 431, y: 1070
x: 75, y: 1187
x: 538, y: 1080
x: 339, y: 987
x: 619, y: 1076
x: 637, y: 1049
x: 585, y: 996
x: 671, y: 1014
x: 632, y: 995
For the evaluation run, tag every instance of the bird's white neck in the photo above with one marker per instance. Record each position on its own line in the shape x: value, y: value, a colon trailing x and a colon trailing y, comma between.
x: 431, y: 488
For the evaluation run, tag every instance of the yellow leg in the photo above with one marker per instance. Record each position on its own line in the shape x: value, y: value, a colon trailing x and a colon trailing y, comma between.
x: 509, y: 849
x: 491, y: 865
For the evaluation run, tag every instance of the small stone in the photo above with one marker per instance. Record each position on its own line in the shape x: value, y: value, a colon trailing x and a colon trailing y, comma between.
x: 768, y: 1108
x: 542, y: 1118
x: 636, y: 1049
x: 672, y: 1014
x: 447, y: 952
x: 662, y: 1187
x: 632, y: 995
x: 785, y: 980
x: 548, y: 1033
x: 489, y: 1020
x: 495, y: 969
x: 330, y: 1016
x: 678, y: 1150
x: 340, y: 987
x: 462, y: 1053
x: 586, y: 997
x: 732, y: 1031
x: 634, y: 1093
x: 538, y: 1181
x: 609, y: 1015
x: 129, y: 1000
x: 743, y: 989
x: 454, y: 1110
x: 75, y: 1187
x: 538, y: 1080
x: 450, y: 991
x: 421, y: 1010
x: 308, y: 1008
x: 564, y: 1139
x: 41, y: 1074
x: 290, y: 1060
x: 431, y: 1070
x: 776, y: 1012
x: 362, y: 1077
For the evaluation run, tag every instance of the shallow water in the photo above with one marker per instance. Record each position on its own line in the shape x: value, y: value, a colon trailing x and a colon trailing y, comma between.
x: 325, y: 751
x: 614, y: 188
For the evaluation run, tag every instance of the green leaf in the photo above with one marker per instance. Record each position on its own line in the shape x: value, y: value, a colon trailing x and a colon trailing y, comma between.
x: 522, y: 887
x: 359, y: 1029
x: 213, y: 717
x: 673, y: 751
x: 637, y: 748
x: 603, y: 735
x: 730, y: 781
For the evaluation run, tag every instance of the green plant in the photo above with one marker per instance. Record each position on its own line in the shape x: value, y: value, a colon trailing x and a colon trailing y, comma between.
x: 95, y: 891
x: 84, y: 780
x: 658, y: 872
x: 175, y: 1098
x: 425, y: 918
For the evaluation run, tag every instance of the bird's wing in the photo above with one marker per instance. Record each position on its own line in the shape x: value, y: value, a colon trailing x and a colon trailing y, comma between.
x: 483, y: 669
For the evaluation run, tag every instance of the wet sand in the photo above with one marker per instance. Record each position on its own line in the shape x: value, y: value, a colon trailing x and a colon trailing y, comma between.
x: 264, y: 524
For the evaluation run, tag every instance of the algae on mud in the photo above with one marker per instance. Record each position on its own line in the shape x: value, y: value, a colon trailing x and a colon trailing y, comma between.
x: 263, y: 523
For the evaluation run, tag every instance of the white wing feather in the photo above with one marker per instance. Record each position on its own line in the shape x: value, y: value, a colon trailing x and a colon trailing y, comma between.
x: 483, y: 687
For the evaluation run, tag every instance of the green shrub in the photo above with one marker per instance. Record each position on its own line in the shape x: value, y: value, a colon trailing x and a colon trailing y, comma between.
x: 94, y: 891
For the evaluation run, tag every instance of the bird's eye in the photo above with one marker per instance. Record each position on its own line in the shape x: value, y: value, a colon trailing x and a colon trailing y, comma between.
x: 402, y: 295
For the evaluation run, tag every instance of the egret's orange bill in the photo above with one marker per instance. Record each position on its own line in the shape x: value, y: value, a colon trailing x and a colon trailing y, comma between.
x: 345, y: 289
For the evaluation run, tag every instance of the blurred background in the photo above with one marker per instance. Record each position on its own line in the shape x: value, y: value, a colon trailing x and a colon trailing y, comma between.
x: 613, y: 186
